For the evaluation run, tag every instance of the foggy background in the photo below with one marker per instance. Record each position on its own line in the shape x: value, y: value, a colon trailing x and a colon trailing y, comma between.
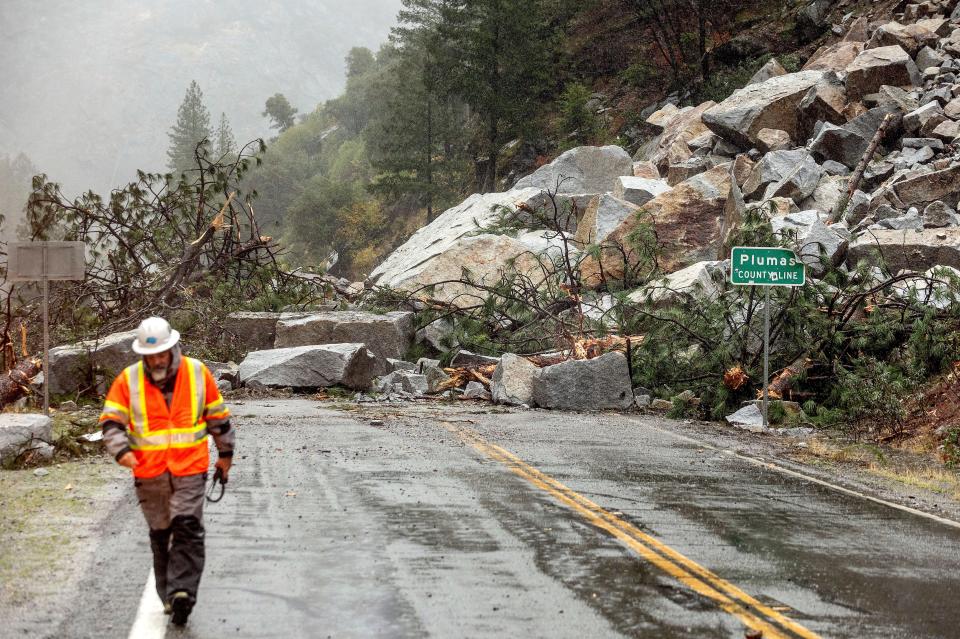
x: 91, y: 88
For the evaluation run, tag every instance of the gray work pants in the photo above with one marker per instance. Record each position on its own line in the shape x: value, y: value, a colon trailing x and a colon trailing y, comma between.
x: 173, y: 508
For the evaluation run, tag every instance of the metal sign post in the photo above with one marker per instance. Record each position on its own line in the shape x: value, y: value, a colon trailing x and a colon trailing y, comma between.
x: 43, y: 262
x: 766, y: 266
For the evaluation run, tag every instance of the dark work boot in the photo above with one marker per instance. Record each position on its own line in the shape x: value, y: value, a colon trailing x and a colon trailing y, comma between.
x: 181, y: 603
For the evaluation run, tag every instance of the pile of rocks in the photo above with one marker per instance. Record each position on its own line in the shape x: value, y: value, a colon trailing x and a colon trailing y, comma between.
x: 788, y: 140
x: 589, y: 384
x: 795, y: 140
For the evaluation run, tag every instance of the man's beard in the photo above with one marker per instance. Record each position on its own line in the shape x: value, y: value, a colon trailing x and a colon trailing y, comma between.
x: 161, y: 374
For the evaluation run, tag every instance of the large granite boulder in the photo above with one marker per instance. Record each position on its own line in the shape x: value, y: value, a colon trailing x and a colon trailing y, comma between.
x: 834, y: 57
x: 307, y: 367
x: 254, y: 330
x: 793, y: 174
x: 662, y: 116
x: 438, y: 334
x: 910, y: 37
x: 21, y: 431
x: 848, y: 143
x: 859, y: 30
x: 702, y: 281
x: 457, y: 274
x: 896, y: 98
x: 913, y: 250
x: 387, y: 336
x: 839, y: 144
x: 952, y: 109
x: 72, y: 366
x: 943, y: 185
x: 767, y: 105
x: 825, y: 102
x: 604, y: 214
x: 948, y: 132
x: 812, y: 19
x: 466, y: 359
x: 685, y: 170
x: 639, y: 191
x: 687, y: 221
x: 512, y: 380
x: 831, y: 190
x: 874, y: 68
x: 771, y: 69
x: 585, y: 169
x: 590, y: 384
x: 924, y: 119
x: 438, y: 251
x: 773, y: 140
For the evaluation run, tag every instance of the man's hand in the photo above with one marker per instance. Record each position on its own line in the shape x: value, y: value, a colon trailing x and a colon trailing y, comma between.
x: 129, y: 460
x: 223, y: 464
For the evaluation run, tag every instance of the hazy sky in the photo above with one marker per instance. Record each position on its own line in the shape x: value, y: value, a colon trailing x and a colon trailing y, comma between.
x: 90, y: 88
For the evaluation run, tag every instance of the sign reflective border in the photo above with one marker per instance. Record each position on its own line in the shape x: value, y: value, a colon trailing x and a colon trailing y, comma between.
x: 766, y: 266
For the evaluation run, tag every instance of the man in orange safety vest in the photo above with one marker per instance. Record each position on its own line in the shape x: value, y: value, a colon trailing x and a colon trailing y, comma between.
x: 156, y: 421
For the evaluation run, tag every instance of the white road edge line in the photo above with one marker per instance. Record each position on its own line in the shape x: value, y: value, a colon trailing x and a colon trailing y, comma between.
x: 150, y: 622
x: 793, y: 473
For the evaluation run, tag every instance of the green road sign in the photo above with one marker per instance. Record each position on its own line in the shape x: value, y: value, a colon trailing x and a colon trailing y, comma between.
x: 765, y: 266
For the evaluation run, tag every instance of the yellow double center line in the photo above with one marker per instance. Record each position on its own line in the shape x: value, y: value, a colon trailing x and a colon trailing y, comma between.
x: 727, y: 596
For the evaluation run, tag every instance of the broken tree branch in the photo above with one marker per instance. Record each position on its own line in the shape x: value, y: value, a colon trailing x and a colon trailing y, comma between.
x: 841, y: 207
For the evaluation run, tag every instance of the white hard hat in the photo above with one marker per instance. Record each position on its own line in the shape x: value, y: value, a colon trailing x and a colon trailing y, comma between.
x: 154, y: 335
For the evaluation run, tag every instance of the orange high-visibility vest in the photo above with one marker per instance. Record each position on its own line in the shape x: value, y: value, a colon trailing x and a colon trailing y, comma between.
x: 166, y: 438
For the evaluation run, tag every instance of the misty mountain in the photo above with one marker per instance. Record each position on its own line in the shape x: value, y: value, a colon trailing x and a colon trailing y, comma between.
x: 91, y: 89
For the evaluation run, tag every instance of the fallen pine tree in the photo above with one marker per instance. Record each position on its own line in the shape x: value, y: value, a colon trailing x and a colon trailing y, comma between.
x: 15, y: 383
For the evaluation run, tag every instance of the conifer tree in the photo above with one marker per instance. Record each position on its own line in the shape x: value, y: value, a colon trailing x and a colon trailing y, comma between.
x: 502, y: 71
x: 493, y: 55
x: 416, y: 141
x: 278, y: 109
x: 192, y: 128
x: 226, y: 143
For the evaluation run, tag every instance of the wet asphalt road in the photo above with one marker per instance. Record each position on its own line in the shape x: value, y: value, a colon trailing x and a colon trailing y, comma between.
x: 333, y: 527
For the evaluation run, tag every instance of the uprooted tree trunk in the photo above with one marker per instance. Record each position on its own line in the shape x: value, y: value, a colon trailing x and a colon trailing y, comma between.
x: 15, y: 383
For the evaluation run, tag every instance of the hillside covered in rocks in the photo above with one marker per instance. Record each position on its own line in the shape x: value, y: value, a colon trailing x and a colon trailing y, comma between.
x: 853, y: 162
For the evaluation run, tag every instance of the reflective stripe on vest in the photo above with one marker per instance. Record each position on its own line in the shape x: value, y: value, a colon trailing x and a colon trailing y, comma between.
x: 136, y: 382
x: 140, y: 435
x: 198, y: 389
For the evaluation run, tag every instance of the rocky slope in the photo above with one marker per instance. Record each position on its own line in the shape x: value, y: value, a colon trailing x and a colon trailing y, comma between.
x: 791, y: 139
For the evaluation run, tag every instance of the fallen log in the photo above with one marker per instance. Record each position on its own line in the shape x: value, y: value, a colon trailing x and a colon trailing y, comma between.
x: 783, y: 383
x: 590, y: 348
x: 15, y: 383
x: 841, y: 208
x: 461, y: 375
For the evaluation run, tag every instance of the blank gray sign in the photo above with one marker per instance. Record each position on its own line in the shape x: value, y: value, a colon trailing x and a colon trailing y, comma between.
x: 64, y: 261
